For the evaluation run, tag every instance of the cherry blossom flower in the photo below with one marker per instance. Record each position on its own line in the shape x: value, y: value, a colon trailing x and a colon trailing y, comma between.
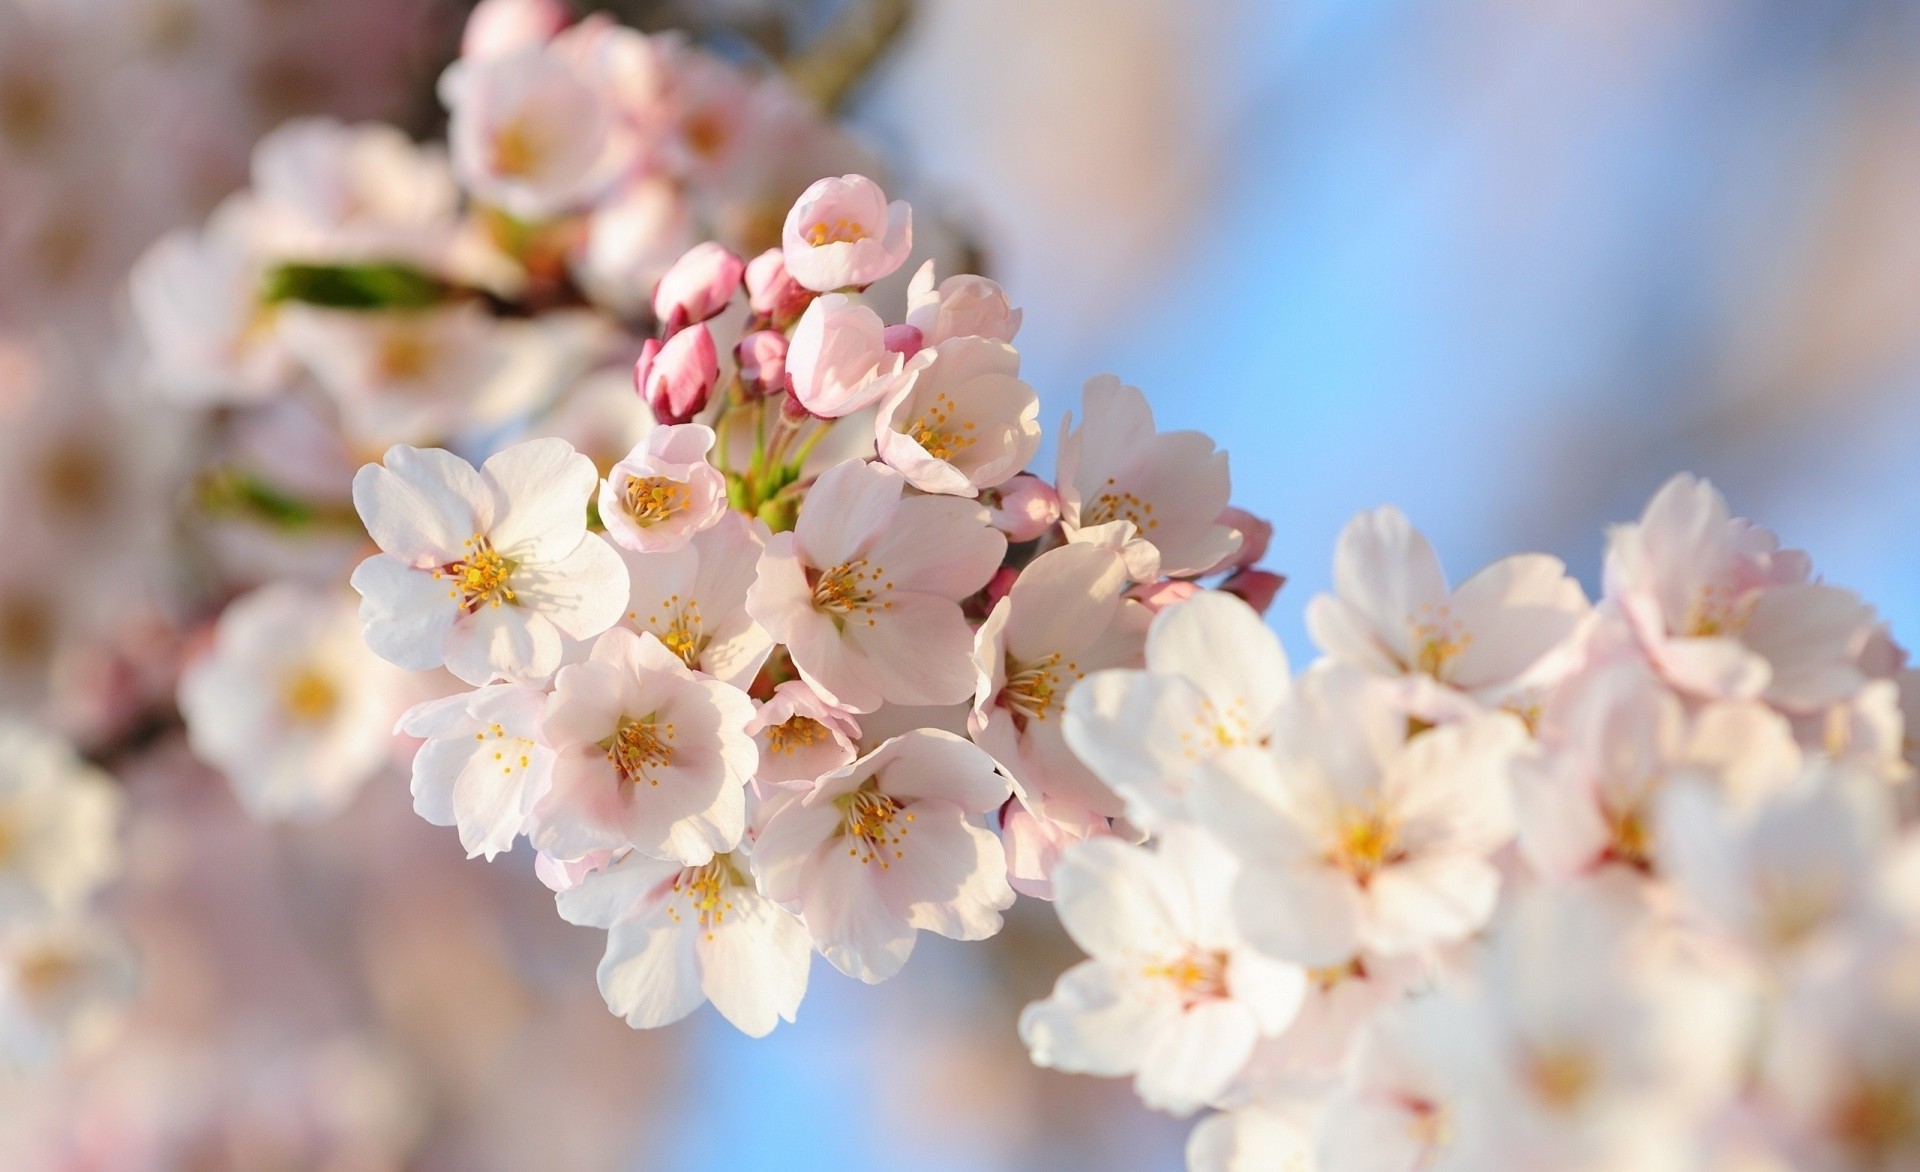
x: 484, y: 765
x: 1036, y: 832
x: 483, y: 570
x: 335, y: 192
x: 1172, y: 995
x: 959, y: 419
x: 59, y: 824
x: 838, y: 361
x: 677, y: 377
x: 842, y: 233
x: 698, y: 286
x: 1393, y: 615
x: 499, y: 28
x: 1356, y: 835
x: 649, y: 754
x: 64, y: 985
x: 196, y: 296
x: 801, y: 736
x: 1156, y: 496
x: 1723, y: 611
x: 664, y: 492
x: 963, y: 306
x: 289, y: 703
x: 865, y: 591
x: 694, y: 600
x: 1253, y: 1138
x: 529, y: 134
x: 886, y: 847
x: 1215, y: 678
x: 1065, y: 617
x: 679, y: 936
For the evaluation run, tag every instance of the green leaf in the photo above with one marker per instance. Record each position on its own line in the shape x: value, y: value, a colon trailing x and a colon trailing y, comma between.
x: 371, y: 286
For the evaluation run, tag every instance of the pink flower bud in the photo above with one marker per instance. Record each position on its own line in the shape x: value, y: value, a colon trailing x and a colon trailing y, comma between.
x: 1255, y: 587
x: 843, y: 234
x: 697, y: 287
x: 762, y: 358
x: 1023, y: 508
x: 903, y: 340
x: 773, y: 293
x: 675, y: 377
x: 1254, y: 536
x: 1157, y: 596
x: 838, y: 361
x: 1000, y: 585
x: 501, y: 27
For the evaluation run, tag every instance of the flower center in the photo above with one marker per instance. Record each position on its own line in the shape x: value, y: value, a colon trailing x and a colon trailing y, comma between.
x: 1716, y: 611
x: 640, y: 747
x: 683, y: 633
x: 1198, y: 976
x: 308, y: 695
x: 873, y: 820
x: 652, y: 499
x: 1366, y: 841
x: 1033, y: 692
x: 518, y: 149
x: 403, y: 357
x: 1439, y: 640
x: 1631, y: 841
x: 837, y: 232
x: 1216, y: 729
x: 45, y: 971
x: 931, y: 430
x: 850, y: 588
x: 705, y: 889
x: 1561, y: 1078
x: 520, y: 747
x: 795, y: 733
x: 480, y: 578
x: 1115, y: 504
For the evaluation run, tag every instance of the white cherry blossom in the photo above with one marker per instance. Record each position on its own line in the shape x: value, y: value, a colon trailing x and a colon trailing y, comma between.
x: 59, y: 823
x: 694, y: 599
x: 801, y: 736
x: 484, y: 765
x: 958, y: 418
x: 664, y: 492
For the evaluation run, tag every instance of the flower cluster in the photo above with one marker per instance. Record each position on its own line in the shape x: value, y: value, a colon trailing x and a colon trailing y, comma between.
x: 791, y: 676
x: 1507, y: 879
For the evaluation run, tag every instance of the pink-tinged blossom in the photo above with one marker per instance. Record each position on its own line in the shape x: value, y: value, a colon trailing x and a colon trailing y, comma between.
x: 65, y: 984
x: 1723, y: 611
x: 1158, y: 596
x: 1253, y: 1137
x: 887, y: 847
x: 629, y: 240
x: 963, y: 306
x: 1023, y: 508
x: 1036, y: 833
x: 1172, y: 994
x: 865, y: 592
x: 697, y: 287
x: 772, y: 292
x: 649, y: 754
x: 289, y: 704
x: 679, y: 936
x: 499, y: 28
x: 838, y: 361
x: 958, y: 418
x: 801, y: 736
x: 1356, y: 836
x: 694, y: 600
x: 484, y: 570
x: 676, y: 377
x: 330, y: 191
x: 1155, y: 496
x: 1066, y: 616
x: 843, y: 234
x: 664, y: 492
x: 1255, y: 535
x: 59, y: 824
x: 530, y: 135
x: 1215, y: 680
x: 1613, y: 737
x: 761, y: 358
x: 1392, y: 614
x: 484, y: 765
x: 210, y: 337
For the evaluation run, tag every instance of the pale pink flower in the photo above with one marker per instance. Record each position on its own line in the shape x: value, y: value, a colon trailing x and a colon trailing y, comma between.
x: 1036, y: 833
x: 1066, y: 616
x: 1355, y: 835
x: 529, y: 134
x: 964, y: 306
x: 499, y: 28
x: 1391, y: 614
x: 484, y: 765
x: 1216, y: 679
x: 1254, y: 1137
x: 772, y: 291
x: 630, y: 239
x: 664, y: 492
x: 958, y: 418
x: 801, y: 736
x: 59, y: 824
x: 679, y: 936
x: 1155, y: 496
x: 697, y: 287
x: 1172, y: 993
x: 1255, y: 535
x: 210, y: 337
x: 842, y: 233
x: 838, y: 361
x: 1023, y: 508
x: 65, y: 985
x: 889, y: 846
x: 676, y: 377
x: 329, y: 191
x: 865, y: 592
x: 1723, y: 611
x: 650, y: 754
x: 484, y: 570
x: 694, y: 600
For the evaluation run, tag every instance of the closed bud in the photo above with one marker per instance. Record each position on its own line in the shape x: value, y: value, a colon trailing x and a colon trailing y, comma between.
x: 697, y: 287
x: 762, y: 359
x: 772, y: 291
x: 676, y: 377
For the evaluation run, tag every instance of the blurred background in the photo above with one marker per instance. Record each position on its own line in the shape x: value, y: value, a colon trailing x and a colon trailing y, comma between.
x: 1508, y: 265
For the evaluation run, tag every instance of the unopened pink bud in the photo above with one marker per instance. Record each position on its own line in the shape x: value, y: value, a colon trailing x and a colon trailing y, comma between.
x: 762, y: 358
x: 905, y: 341
x: 675, y: 377
x: 772, y: 291
x: 1023, y: 508
x: 1255, y: 587
x: 1000, y: 585
x: 697, y: 287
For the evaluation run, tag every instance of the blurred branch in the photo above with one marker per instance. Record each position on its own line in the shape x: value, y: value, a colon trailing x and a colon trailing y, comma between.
x: 839, y: 58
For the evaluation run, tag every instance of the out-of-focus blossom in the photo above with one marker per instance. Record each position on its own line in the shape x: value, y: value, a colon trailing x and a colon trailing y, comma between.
x: 963, y: 306
x: 529, y: 135
x: 199, y: 299
x: 499, y: 28
x: 59, y: 824
x: 64, y: 984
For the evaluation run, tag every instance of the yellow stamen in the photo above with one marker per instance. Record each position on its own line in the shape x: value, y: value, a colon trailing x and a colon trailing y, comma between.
x: 480, y: 578
x: 638, y: 748
x: 838, y: 232
x: 309, y: 695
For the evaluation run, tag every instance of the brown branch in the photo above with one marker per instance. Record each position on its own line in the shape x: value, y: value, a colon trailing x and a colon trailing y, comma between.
x: 838, y: 59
